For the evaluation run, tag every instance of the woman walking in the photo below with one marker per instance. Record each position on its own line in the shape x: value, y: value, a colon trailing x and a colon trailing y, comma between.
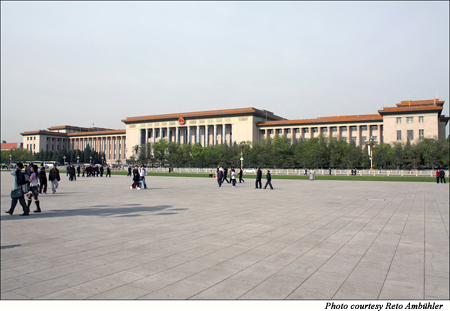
x: 34, y: 189
x: 42, y: 179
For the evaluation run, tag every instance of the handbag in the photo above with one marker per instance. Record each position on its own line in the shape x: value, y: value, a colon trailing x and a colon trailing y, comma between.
x: 17, y: 193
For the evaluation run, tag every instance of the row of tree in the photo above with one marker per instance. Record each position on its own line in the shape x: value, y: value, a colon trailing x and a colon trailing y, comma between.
x: 272, y: 152
x: 278, y: 152
x: 63, y: 155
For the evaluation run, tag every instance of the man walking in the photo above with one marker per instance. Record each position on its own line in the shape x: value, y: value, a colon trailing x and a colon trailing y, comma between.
x: 240, y: 175
x: 142, y: 173
x: 54, y: 177
x: 442, y: 175
x: 258, y: 178
x: 268, y: 180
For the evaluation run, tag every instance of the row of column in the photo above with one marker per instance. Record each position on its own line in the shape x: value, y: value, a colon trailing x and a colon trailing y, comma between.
x: 203, y: 134
x: 112, y: 146
x: 378, y: 132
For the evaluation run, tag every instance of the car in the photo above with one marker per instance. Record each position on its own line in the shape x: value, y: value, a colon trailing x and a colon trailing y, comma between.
x: 250, y: 170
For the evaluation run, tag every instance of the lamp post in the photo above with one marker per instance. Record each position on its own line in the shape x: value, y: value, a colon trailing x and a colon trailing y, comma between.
x: 78, y: 160
x: 90, y: 159
x: 242, y: 154
x: 370, y: 144
x: 102, y: 160
x: 64, y: 157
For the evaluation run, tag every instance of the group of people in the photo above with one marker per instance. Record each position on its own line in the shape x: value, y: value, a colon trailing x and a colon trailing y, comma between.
x: 259, y: 178
x: 87, y: 170
x: 29, y: 182
x: 222, y: 174
x: 440, y: 175
x: 139, y: 174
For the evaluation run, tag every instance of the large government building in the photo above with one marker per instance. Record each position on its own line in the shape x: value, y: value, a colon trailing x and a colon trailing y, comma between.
x: 409, y: 120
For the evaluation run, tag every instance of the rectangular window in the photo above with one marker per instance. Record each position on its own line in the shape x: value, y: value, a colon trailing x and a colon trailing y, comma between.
x: 421, y: 119
x: 270, y: 132
x: 363, y: 139
x: 263, y: 132
x: 399, y: 135
x: 363, y: 127
x: 409, y: 120
x: 288, y: 131
x: 279, y: 131
x: 421, y: 134
x: 354, y: 139
x: 343, y: 129
x: 324, y: 129
x: 297, y: 130
x: 315, y: 129
x: 334, y: 129
x: 410, y: 134
x: 374, y: 127
x: 399, y: 120
x: 306, y: 130
x: 352, y: 128
x: 375, y: 138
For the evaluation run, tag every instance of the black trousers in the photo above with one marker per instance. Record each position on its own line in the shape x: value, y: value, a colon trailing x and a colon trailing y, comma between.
x: 42, y: 185
x: 22, y: 202
x: 268, y: 183
x: 443, y: 179
x: 258, y: 182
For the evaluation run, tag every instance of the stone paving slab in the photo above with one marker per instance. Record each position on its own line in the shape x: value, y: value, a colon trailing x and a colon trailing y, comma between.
x: 186, y: 238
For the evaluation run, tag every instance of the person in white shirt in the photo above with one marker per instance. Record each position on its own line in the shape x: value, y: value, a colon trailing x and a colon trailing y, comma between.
x: 142, y: 173
x: 233, y: 177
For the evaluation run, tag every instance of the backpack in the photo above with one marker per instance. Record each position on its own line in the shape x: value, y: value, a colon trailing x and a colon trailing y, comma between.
x: 20, y: 178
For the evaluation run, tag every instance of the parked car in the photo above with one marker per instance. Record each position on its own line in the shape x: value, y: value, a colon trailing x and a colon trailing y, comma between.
x: 250, y: 170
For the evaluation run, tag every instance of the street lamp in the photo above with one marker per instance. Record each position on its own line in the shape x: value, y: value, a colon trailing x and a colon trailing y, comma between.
x: 78, y: 160
x: 102, y: 160
x: 370, y: 144
x: 64, y: 157
x: 90, y: 159
x: 242, y: 144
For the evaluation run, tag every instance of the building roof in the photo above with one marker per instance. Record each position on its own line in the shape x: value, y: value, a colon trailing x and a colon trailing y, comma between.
x: 320, y: 120
x: 202, y: 114
x: 8, y: 146
x: 427, y: 102
x: 91, y: 133
x: 78, y: 128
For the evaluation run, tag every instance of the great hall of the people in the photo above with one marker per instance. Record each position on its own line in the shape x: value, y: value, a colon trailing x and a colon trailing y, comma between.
x: 408, y: 120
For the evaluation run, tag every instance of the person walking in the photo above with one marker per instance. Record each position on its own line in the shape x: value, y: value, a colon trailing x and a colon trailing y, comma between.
x: 219, y: 177
x: 142, y: 173
x: 225, y: 174
x: 241, y: 172
x: 438, y: 175
x: 34, y: 189
x: 129, y: 170
x: 442, y: 175
x: 78, y: 170
x: 42, y: 179
x: 17, y: 194
x: 108, y: 171
x: 54, y: 177
x: 136, y: 177
x: 233, y: 177
x: 268, y: 180
x: 258, y: 178
x: 101, y: 170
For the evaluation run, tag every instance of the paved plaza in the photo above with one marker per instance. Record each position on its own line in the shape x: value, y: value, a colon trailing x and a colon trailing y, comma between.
x: 186, y: 238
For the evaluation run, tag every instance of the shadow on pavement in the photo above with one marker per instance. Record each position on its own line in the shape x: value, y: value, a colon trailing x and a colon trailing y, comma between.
x: 129, y: 210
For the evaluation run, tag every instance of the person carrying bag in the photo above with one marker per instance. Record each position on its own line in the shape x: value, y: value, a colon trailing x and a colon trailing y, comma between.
x: 17, y: 194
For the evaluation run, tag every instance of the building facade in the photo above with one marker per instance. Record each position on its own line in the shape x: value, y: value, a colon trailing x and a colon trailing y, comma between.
x: 408, y: 120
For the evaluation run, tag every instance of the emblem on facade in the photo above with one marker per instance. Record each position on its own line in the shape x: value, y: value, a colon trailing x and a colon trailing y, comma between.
x: 181, y: 121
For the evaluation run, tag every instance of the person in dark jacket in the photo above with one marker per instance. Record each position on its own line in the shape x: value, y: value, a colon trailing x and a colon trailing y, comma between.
x: 26, y: 211
x: 101, y: 170
x: 129, y: 170
x: 225, y: 174
x: 108, y: 171
x: 42, y: 179
x: 136, y: 177
x: 219, y: 177
x: 240, y: 175
x: 78, y: 170
x: 258, y: 178
x: 268, y: 180
x: 442, y: 175
x: 54, y: 177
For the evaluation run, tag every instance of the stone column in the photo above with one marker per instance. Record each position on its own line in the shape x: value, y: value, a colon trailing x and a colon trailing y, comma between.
x: 198, y: 138
x: 215, y: 135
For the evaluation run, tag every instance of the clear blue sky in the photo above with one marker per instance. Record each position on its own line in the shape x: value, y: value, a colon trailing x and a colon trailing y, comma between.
x: 79, y: 63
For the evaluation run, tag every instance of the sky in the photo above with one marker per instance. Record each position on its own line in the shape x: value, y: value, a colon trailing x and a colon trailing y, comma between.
x: 96, y: 63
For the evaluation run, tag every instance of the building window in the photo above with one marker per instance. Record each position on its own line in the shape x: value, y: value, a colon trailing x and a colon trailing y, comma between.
x: 279, y: 131
x: 375, y: 138
x: 410, y: 134
x: 306, y: 130
x: 334, y: 129
x: 297, y: 130
x: 421, y: 135
x: 343, y: 129
x: 324, y: 130
x: 399, y: 135
x: 263, y: 132
x: 288, y: 131
x: 270, y: 132
x: 363, y: 127
x: 315, y: 129
x: 409, y: 119
x: 353, y: 128
x: 374, y: 127
x: 421, y: 119
x: 354, y: 139
x: 399, y: 120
